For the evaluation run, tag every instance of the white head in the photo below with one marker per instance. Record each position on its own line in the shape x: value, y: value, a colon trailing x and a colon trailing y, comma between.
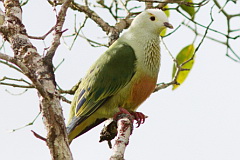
x: 151, y: 20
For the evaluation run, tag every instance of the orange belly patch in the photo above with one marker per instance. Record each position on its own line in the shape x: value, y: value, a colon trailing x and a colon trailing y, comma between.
x: 141, y: 90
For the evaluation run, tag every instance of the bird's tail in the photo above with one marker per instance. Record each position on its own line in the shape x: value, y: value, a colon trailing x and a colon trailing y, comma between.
x: 80, y: 125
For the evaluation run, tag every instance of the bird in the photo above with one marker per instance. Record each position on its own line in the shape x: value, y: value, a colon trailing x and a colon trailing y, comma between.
x: 122, y: 78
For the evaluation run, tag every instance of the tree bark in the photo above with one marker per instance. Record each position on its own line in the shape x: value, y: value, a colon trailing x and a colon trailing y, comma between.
x: 124, y: 130
x: 39, y: 70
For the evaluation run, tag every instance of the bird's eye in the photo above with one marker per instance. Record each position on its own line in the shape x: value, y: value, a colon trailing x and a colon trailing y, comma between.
x: 152, y: 18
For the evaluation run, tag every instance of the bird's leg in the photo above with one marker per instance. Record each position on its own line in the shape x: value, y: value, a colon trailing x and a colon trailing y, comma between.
x: 123, y: 111
x: 138, y: 116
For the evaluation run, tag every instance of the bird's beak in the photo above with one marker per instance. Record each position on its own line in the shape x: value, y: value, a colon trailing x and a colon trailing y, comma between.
x: 168, y: 25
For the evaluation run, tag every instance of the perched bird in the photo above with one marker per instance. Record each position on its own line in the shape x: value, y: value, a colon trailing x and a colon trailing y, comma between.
x: 122, y: 78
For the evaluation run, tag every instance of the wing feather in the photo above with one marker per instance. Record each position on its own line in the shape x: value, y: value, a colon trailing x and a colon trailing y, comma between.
x: 111, y: 72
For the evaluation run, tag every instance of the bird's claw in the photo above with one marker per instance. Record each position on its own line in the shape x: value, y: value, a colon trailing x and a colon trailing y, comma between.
x: 138, y: 116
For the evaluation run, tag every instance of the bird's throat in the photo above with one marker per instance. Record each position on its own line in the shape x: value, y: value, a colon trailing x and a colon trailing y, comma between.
x: 152, y: 56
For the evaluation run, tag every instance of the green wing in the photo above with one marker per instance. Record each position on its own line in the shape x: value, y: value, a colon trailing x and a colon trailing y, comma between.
x: 111, y: 72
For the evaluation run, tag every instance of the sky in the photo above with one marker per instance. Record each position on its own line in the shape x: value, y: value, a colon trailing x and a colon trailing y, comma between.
x: 198, y: 121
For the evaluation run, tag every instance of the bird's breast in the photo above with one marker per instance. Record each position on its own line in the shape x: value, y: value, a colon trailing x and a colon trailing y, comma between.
x: 141, y: 89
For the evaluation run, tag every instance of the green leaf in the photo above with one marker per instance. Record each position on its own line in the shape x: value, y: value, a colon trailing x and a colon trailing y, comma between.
x: 185, y: 54
x: 163, y: 33
x: 167, y: 12
x: 188, y: 9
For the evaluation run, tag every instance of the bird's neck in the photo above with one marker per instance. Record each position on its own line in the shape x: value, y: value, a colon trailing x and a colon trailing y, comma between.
x: 152, y: 55
x: 147, y: 50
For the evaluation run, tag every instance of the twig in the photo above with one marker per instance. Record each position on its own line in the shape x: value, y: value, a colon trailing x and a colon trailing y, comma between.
x: 64, y: 99
x: 112, y: 31
x: 94, y: 16
x: 103, y: 5
x: 14, y: 79
x: 29, y: 124
x: 172, y: 31
x: 77, y: 33
x: 174, y: 81
x: 179, y: 67
x: 71, y: 91
x: 10, y: 65
x: 228, y: 18
x: 125, y: 6
x: 199, y: 34
x: 38, y: 136
x: 55, y: 68
x: 168, y: 51
x: 203, y: 38
x: 58, y: 29
x: 15, y: 85
x: 16, y: 62
x: 206, y: 26
x: 16, y: 94
x: 165, y: 2
x: 160, y: 86
x: 44, y: 36
x: 206, y: 31
x: 91, y: 42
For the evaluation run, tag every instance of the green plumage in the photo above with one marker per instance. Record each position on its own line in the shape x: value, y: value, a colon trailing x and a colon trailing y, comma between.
x: 111, y: 72
x: 123, y: 77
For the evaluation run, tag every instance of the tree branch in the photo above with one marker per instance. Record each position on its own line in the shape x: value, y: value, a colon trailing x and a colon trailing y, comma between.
x: 93, y: 15
x: 40, y: 71
x: 124, y: 130
x: 29, y: 85
x: 58, y: 29
x: 44, y: 36
x: 10, y: 65
x: 29, y: 124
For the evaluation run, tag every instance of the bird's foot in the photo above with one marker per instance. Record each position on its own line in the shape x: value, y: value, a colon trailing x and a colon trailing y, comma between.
x: 123, y: 111
x: 138, y: 116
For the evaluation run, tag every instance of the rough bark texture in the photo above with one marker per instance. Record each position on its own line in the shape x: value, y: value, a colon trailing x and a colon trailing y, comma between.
x: 40, y: 71
x: 124, y: 128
